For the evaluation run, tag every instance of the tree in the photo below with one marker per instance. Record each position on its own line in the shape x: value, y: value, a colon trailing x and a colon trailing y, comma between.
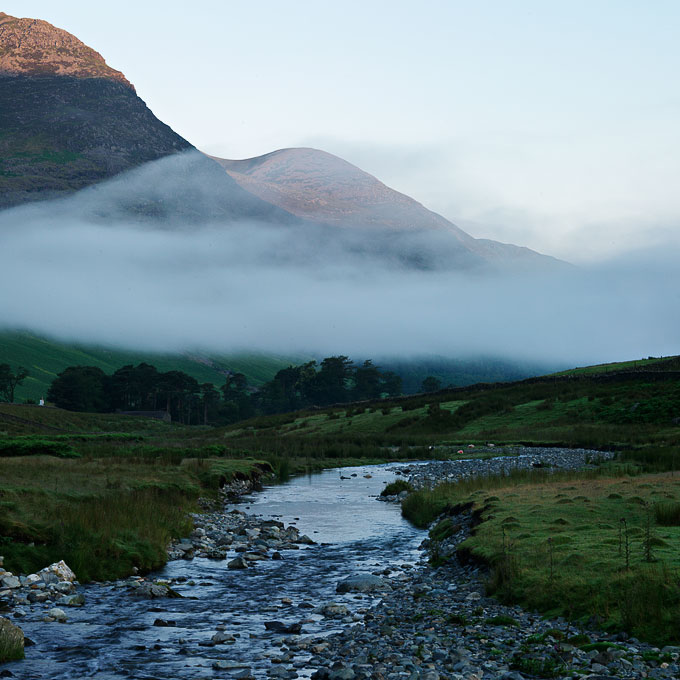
x: 391, y: 384
x: 367, y: 381
x: 81, y: 388
x: 431, y: 384
x: 238, y: 404
x: 180, y: 391
x: 330, y: 385
x: 210, y: 399
x: 9, y: 381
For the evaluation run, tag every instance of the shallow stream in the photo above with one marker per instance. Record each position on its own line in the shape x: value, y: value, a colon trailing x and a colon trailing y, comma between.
x: 113, y: 636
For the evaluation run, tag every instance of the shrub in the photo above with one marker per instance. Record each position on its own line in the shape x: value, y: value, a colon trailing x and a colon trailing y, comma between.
x: 394, y: 488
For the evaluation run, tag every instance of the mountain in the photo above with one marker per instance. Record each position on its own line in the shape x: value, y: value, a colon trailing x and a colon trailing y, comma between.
x: 68, y: 121
x: 319, y: 186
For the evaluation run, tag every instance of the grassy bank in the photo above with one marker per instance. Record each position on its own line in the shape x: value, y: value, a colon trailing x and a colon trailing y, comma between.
x: 102, y: 516
x: 601, y: 547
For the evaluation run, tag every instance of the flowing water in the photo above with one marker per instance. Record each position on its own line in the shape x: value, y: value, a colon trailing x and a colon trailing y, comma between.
x: 113, y: 635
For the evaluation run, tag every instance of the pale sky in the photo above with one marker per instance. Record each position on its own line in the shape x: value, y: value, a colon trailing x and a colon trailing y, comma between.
x: 553, y: 125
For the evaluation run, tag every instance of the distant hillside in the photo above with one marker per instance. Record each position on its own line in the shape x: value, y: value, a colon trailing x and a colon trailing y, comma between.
x: 635, y: 407
x: 319, y: 186
x: 45, y: 358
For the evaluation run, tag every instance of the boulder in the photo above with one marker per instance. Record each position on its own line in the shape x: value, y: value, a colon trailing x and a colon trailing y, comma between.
x: 237, y: 563
x: 280, y: 627
x: 154, y: 590
x: 10, y: 581
x: 221, y: 637
x: 333, y: 609
x: 57, y: 614
x: 361, y: 583
x: 60, y: 570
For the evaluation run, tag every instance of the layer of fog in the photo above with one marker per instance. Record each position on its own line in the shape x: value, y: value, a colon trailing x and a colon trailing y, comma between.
x: 221, y: 287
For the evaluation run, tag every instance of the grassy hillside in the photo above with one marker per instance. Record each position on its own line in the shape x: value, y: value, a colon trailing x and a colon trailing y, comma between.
x: 45, y: 358
x: 594, y: 408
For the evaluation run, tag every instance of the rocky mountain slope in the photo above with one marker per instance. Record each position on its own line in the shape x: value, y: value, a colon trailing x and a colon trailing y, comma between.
x: 68, y: 121
x: 319, y: 186
x: 31, y: 47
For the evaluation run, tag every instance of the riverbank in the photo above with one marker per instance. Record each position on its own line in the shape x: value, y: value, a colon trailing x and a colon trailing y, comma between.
x: 438, y: 623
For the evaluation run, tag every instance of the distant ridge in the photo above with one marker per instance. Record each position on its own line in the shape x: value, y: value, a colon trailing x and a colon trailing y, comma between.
x: 319, y: 186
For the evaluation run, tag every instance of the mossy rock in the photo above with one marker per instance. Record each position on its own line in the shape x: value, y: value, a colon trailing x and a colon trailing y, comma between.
x: 614, y: 496
x: 560, y: 521
x: 563, y: 501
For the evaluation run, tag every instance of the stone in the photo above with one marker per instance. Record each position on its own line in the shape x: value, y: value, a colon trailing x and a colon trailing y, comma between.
x: 154, y: 590
x: 221, y: 638
x: 237, y: 563
x: 361, y: 583
x: 10, y: 581
x: 57, y: 615
x: 305, y: 540
x: 60, y: 570
x: 333, y: 609
x: 229, y: 666
x: 280, y: 627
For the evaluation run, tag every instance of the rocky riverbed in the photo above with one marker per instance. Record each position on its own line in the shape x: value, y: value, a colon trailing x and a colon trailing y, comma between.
x: 501, y: 461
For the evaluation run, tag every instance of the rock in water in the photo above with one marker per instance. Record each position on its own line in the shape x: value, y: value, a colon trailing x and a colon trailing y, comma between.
x: 11, y: 641
x: 361, y: 583
x: 238, y: 563
x: 280, y: 627
x: 153, y: 590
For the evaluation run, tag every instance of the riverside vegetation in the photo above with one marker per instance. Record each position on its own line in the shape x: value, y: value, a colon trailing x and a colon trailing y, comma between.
x: 106, y: 492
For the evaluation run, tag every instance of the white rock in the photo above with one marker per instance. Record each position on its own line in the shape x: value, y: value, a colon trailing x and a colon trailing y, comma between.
x: 57, y: 614
x: 10, y: 581
x: 60, y: 570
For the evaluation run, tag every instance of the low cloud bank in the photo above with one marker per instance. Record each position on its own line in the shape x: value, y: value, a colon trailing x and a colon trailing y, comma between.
x: 224, y: 287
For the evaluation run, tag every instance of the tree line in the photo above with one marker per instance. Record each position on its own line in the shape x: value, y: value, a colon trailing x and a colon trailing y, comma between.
x: 143, y: 388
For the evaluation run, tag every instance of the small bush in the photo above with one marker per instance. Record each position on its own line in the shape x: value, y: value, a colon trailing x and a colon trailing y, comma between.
x: 457, y: 619
x: 394, y: 488
x: 36, y: 447
x: 501, y: 621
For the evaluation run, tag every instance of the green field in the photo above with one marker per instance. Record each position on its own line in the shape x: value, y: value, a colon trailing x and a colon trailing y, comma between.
x: 601, y: 546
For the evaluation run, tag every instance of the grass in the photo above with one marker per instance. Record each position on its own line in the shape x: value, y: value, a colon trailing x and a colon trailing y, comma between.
x: 102, y: 516
x: 11, y: 644
x: 560, y: 544
x: 667, y: 513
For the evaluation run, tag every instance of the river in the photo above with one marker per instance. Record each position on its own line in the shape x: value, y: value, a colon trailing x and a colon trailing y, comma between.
x: 113, y: 636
